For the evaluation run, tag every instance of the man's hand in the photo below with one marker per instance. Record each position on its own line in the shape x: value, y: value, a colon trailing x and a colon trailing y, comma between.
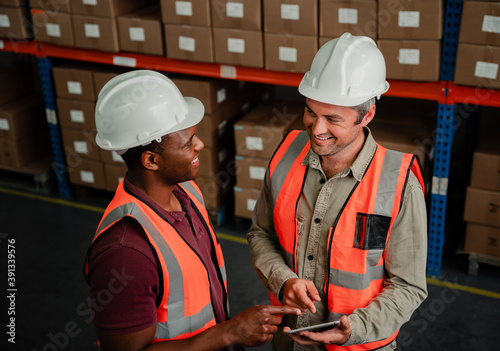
x: 300, y: 293
x: 256, y: 325
x: 337, y: 335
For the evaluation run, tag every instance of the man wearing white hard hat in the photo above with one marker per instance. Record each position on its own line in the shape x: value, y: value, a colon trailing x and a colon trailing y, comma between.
x: 339, y: 230
x: 155, y: 267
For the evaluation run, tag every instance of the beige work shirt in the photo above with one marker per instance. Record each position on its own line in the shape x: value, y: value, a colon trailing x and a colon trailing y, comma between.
x: 405, y: 254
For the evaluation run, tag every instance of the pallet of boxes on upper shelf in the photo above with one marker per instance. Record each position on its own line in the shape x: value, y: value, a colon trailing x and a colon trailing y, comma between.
x: 482, y: 205
x: 478, y: 55
x: 15, y: 23
x: 256, y: 135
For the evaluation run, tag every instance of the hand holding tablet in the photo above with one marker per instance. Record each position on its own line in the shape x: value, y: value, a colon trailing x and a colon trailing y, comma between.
x: 315, y: 328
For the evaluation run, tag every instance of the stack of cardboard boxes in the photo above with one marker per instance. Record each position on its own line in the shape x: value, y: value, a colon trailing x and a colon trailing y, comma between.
x: 24, y: 136
x: 256, y: 136
x: 478, y: 54
x: 410, y: 33
x: 290, y: 34
x: 482, y: 205
x: 14, y: 20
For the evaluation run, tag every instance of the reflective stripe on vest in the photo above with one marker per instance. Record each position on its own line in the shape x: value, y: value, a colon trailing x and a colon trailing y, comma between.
x: 356, y: 240
x: 186, y: 308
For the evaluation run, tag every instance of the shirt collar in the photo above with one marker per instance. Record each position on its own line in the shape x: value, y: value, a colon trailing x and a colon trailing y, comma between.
x: 360, y: 164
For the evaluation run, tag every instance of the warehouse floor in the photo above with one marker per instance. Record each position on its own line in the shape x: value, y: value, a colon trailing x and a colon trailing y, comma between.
x: 51, y: 236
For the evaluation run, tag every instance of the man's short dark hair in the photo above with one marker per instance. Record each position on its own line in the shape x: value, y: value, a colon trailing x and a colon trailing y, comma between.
x: 132, y: 157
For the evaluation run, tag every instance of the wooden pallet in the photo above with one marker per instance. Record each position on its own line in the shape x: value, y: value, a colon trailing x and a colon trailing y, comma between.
x: 38, y: 177
x: 475, y: 259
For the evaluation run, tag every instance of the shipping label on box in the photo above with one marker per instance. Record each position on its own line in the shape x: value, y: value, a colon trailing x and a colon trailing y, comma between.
x: 237, y: 14
x: 141, y: 31
x: 15, y: 23
x: 74, y: 81
x: 480, y: 23
x: 291, y: 17
x: 189, y: 12
x: 76, y: 113
x: 410, y: 19
x: 477, y: 65
x: 192, y: 43
x: 245, y: 200
x: 238, y: 47
x: 355, y: 17
x: 86, y: 172
x: 80, y: 142
x: 290, y: 53
x: 53, y: 27
x: 250, y: 171
x: 97, y: 33
x: 22, y: 117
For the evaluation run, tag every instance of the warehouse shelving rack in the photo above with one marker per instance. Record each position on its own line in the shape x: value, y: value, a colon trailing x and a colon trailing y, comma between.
x: 444, y: 92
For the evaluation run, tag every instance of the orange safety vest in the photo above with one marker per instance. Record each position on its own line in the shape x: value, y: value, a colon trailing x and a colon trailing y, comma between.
x: 357, y: 238
x: 186, y: 307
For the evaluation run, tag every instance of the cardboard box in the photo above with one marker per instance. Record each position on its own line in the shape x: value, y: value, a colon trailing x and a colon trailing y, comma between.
x: 76, y: 114
x: 51, y: 5
x: 86, y: 172
x: 107, y: 8
x: 482, y: 239
x: 212, y: 92
x: 192, y: 43
x: 216, y: 191
x: 238, y: 47
x: 74, y: 81
x: 289, y: 53
x: 112, y: 157
x: 141, y: 31
x: 53, y: 27
x: 410, y: 19
x: 114, y: 174
x: 477, y: 65
x: 22, y: 117
x: 80, y: 142
x: 259, y: 132
x: 237, y: 14
x: 15, y: 23
x: 486, y: 166
x: 482, y: 207
x: 244, y: 201
x: 414, y: 60
x: 96, y: 33
x: 358, y: 17
x: 480, y: 23
x: 214, y: 161
x: 291, y: 17
x: 13, y: 3
x: 101, y: 75
x: 16, y: 80
x: 21, y: 152
x: 250, y: 171
x: 192, y: 12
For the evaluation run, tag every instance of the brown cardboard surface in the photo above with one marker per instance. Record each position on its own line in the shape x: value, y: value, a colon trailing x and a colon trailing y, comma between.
x: 192, y: 43
x: 291, y: 17
x: 237, y: 14
x: 482, y: 239
x: 53, y: 27
x: 212, y: 92
x: 141, y: 31
x: 74, y: 81
x: 479, y: 23
x: 21, y: 152
x: 51, y: 5
x: 410, y: 19
x: 12, y: 3
x: 239, y: 47
x: 15, y: 23
x: 414, y: 60
x: 477, y: 65
x: 358, y: 17
x: 114, y: 173
x: 193, y: 12
x: 244, y: 201
x: 214, y: 161
x: 77, y: 114
x: 289, y: 53
x: 260, y: 131
x: 486, y: 166
x: 22, y: 117
x: 96, y: 33
x: 107, y: 8
x: 103, y: 74
x: 482, y: 207
x: 80, y: 142
x: 15, y: 81
x: 250, y: 171
x: 112, y: 157
x: 86, y: 172
x: 216, y: 191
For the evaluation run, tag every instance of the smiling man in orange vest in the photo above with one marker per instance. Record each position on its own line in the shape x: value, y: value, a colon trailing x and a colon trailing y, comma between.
x: 339, y: 230
x: 155, y: 267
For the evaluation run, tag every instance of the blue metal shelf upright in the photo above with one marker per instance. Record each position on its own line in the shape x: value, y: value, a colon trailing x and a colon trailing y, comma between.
x: 445, y: 133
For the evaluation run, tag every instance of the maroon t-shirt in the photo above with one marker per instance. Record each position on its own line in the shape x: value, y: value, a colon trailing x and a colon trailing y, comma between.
x: 123, y: 271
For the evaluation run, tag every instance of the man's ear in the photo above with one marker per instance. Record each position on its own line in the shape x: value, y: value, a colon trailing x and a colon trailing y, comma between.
x: 369, y: 116
x: 149, y: 160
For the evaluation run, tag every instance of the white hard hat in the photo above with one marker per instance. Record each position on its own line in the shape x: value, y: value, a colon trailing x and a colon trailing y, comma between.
x: 346, y: 71
x: 137, y: 107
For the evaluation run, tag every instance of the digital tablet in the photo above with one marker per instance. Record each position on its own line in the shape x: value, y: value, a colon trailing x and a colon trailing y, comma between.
x: 315, y: 328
